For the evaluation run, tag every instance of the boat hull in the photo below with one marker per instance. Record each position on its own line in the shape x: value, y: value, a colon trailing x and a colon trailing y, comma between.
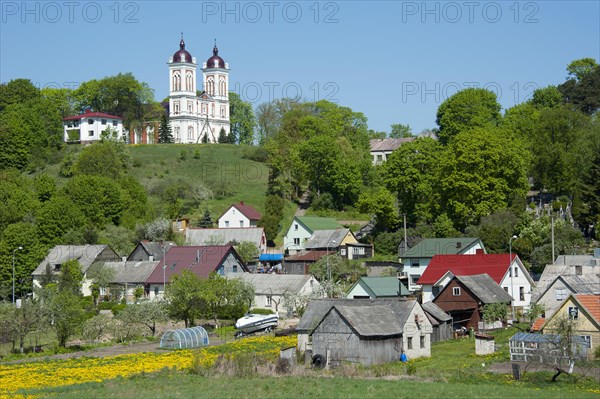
x: 253, y: 323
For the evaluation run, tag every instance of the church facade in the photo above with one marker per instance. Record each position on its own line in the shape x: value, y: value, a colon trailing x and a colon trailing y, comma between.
x: 198, y: 116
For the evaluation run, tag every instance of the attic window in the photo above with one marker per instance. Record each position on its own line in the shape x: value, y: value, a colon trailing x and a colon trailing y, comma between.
x: 573, y: 312
x: 456, y: 291
x: 578, y: 270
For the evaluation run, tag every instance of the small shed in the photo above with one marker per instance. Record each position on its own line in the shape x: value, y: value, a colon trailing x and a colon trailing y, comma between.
x: 530, y: 347
x: 441, y: 322
x: 185, y: 338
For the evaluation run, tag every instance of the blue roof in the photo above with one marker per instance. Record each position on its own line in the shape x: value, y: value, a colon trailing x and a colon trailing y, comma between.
x: 270, y: 257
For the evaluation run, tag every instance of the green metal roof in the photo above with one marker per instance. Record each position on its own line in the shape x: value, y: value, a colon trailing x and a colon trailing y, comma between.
x: 430, y: 247
x: 382, y: 286
x: 314, y: 223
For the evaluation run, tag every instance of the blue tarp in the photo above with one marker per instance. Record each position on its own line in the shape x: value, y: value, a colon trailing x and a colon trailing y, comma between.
x: 271, y: 257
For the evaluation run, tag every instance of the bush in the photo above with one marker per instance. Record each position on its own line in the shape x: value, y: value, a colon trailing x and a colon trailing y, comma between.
x: 118, y: 308
x: 261, y: 311
x: 323, y: 202
x: 257, y: 154
x: 107, y: 305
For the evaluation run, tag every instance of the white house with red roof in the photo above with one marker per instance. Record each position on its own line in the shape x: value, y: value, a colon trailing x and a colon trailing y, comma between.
x: 201, y: 260
x: 88, y: 127
x: 239, y: 215
x: 510, y: 274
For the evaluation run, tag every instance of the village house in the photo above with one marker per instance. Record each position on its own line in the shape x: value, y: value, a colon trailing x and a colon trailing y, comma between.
x: 364, y: 331
x: 128, y: 276
x: 239, y: 215
x: 232, y: 235
x: 382, y: 148
x: 417, y: 258
x: 149, y: 250
x: 88, y: 127
x: 200, y: 260
x: 377, y: 287
x: 465, y: 296
x: 509, y: 273
x: 86, y: 255
x: 271, y: 290
x: 584, y: 311
x: 300, y: 262
x: 301, y: 230
x: 568, y: 265
x: 341, y: 240
x: 562, y: 287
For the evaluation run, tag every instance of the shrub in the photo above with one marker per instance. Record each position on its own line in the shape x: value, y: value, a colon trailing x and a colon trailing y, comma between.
x: 107, y: 305
x: 257, y: 154
x: 261, y: 311
x: 323, y: 202
x: 118, y: 308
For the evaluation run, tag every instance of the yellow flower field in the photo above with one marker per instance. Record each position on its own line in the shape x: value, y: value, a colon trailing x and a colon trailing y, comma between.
x: 55, y: 373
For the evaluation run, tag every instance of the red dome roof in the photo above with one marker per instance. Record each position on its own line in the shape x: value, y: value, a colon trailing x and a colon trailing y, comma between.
x: 215, y: 61
x: 182, y: 55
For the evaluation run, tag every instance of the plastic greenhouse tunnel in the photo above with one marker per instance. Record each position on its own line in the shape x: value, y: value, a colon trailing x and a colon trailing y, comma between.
x: 184, y: 338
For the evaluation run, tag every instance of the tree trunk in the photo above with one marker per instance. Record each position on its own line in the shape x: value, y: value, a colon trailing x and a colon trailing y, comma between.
x: 559, y: 371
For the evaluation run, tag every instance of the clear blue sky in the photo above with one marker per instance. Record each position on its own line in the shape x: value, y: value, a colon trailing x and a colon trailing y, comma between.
x: 394, y: 61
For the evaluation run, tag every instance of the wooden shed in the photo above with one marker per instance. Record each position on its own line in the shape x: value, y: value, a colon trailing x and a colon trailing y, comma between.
x: 365, y: 331
x: 441, y: 322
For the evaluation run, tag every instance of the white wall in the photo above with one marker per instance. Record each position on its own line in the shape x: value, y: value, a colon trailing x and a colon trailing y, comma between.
x: 298, y: 231
x: 416, y: 331
x: 512, y: 285
x: 234, y: 216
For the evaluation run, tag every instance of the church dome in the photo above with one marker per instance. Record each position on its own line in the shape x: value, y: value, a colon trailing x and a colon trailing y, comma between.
x: 215, y: 61
x: 182, y: 55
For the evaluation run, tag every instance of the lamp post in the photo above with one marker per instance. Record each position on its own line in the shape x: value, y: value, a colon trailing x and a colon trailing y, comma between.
x: 512, y: 286
x: 13, y: 277
x: 328, y: 269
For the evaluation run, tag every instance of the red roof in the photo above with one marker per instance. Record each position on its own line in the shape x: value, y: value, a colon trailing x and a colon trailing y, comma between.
x: 91, y: 115
x: 309, y: 256
x: 202, y: 260
x: 247, y: 211
x: 495, y: 265
x: 591, y: 303
x: 537, y: 324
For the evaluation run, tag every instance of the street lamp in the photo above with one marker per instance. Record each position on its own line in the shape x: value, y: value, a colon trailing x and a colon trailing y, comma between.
x: 13, y: 279
x: 328, y: 269
x: 512, y: 286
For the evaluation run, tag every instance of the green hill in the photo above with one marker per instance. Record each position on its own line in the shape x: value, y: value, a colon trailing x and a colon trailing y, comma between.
x: 221, y: 169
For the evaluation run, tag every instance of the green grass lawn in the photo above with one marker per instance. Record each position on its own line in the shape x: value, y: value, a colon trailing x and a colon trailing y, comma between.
x: 171, y: 384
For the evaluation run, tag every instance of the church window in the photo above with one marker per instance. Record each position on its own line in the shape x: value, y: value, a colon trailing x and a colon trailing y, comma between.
x: 210, y: 86
x: 176, y: 81
x: 190, y: 133
x: 189, y: 82
x: 212, y: 110
x: 222, y: 87
x: 222, y: 112
x: 190, y: 107
x: 176, y: 107
x: 176, y: 131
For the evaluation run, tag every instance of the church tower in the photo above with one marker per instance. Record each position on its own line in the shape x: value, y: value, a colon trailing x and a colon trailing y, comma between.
x: 216, y: 89
x: 193, y: 118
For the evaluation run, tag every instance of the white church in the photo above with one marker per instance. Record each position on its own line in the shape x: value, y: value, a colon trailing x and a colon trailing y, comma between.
x: 197, y: 118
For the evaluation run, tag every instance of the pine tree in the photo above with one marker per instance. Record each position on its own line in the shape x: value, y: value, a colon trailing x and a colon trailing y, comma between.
x: 206, y: 221
x: 164, y: 132
x: 205, y: 138
x: 223, y: 139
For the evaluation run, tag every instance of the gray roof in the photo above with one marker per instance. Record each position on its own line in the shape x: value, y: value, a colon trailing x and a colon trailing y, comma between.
x: 371, y: 321
x: 275, y: 284
x: 318, y: 308
x: 582, y: 284
x: 485, y: 288
x: 84, y: 254
x: 429, y: 247
x: 388, y: 144
x: 572, y: 260
x: 568, y: 268
x: 132, y: 271
x: 155, y: 248
x: 435, y: 311
x: 224, y: 236
x: 326, y: 238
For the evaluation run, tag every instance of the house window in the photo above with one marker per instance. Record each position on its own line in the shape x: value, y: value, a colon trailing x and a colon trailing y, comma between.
x: 235, y: 268
x: 414, y: 278
x: 587, y: 339
x: 521, y: 293
x: 409, y: 342
x: 296, y: 241
x: 414, y: 263
x: 561, y: 294
x: 516, y: 272
x: 115, y: 123
x: 156, y: 290
x: 573, y: 312
x: 241, y: 223
x: 422, y: 341
x: 435, y: 290
x: 104, y: 121
x: 227, y: 223
x: 295, y: 226
x: 456, y: 291
x: 90, y: 121
x: 506, y: 289
x: 269, y: 301
x: 358, y: 250
x: 343, y: 251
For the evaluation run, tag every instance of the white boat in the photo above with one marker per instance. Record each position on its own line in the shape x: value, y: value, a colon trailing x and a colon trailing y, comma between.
x: 252, y: 323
